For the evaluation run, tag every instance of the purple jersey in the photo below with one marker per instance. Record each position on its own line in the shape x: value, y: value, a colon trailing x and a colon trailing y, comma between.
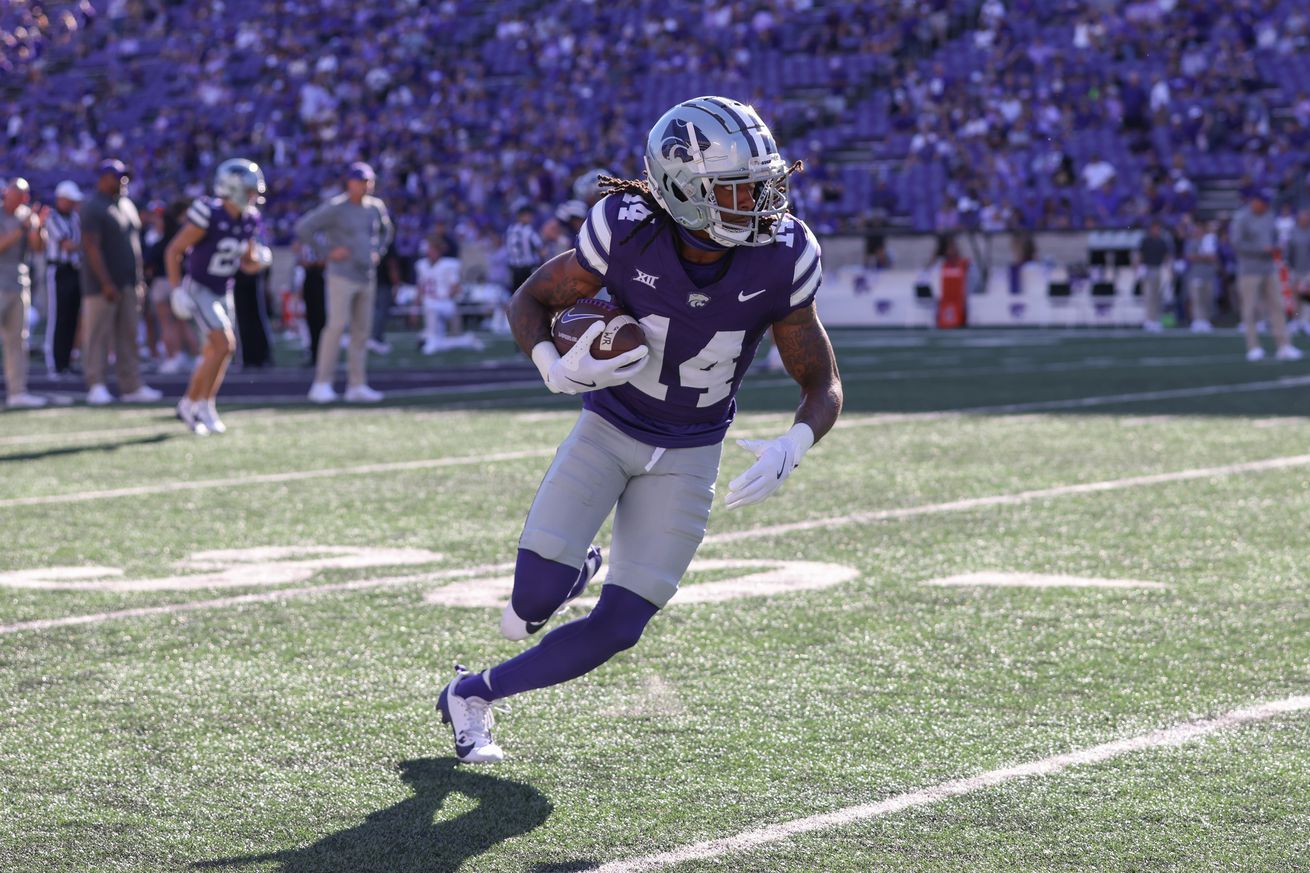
x: 215, y: 259
x: 701, y: 340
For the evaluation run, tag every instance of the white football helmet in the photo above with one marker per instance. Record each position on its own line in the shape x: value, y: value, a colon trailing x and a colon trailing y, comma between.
x: 587, y: 186
x: 709, y: 142
x: 240, y: 181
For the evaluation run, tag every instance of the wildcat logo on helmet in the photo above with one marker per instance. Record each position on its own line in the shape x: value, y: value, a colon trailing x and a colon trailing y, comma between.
x: 677, y: 141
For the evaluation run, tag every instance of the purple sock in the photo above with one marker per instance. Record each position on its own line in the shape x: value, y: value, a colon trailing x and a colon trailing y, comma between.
x: 570, y: 650
x: 540, y: 585
x: 473, y: 686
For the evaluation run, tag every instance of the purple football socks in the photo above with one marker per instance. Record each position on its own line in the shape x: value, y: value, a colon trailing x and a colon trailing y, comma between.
x: 541, y: 585
x: 570, y: 650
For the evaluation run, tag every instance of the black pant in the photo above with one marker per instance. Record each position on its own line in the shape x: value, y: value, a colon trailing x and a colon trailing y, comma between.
x: 381, y: 312
x: 67, y: 307
x: 519, y: 275
x: 252, y: 320
x: 314, y: 293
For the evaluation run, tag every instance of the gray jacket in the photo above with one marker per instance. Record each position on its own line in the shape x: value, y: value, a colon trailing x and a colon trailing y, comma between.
x: 15, y: 278
x: 1254, y: 237
x: 365, y: 229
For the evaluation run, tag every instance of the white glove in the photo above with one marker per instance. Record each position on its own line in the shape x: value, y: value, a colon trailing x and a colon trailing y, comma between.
x: 777, y: 458
x: 184, y: 307
x: 577, y: 372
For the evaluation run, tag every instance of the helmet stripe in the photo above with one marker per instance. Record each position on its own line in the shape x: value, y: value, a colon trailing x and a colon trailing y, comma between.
x: 753, y: 138
x: 741, y: 124
x: 720, y: 120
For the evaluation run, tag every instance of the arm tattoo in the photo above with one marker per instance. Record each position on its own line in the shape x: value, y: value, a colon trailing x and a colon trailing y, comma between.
x: 807, y: 354
x: 556, y: 284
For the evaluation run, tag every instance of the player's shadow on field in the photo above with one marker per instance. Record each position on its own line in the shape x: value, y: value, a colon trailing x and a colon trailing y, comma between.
x: 405, y: 838
x: 65, y: 451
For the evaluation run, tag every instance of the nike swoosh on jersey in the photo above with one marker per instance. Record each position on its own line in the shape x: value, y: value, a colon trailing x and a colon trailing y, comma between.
x: 569, y: 317
x: 743, y: 296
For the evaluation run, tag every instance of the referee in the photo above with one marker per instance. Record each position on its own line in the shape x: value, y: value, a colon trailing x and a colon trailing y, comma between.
x: 64, y: 293
x: 522, y: 245
x: 63, y: 289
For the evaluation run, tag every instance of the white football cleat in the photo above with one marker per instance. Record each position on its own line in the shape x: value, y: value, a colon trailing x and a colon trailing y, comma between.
x: 188, y: 414
x: 321, y: 392
x: 514, y: 628
x: 209, y: 415
x: 1201, y: 325
x: 144, y: 394
x: 1255, y: 354
x: 25, y: 401
x: 99, y: 396
x: 362, y: 394
x: 471, y: 721
x: 1288, y: 353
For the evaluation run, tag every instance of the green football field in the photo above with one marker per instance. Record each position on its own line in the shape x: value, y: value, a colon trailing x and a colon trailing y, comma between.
x: 1041, y: 601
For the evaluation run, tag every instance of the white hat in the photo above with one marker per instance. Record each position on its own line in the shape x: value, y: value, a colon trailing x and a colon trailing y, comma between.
x: 69, y: 190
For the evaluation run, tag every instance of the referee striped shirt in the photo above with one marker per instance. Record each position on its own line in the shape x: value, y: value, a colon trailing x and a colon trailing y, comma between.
x: 60, y: 227
x: 523, y: 245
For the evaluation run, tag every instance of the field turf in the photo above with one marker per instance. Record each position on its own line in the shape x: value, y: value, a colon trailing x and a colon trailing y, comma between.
x: 272, y: 710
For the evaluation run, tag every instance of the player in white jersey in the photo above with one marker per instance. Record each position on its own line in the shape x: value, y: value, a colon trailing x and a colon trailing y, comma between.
x: 438, y: 275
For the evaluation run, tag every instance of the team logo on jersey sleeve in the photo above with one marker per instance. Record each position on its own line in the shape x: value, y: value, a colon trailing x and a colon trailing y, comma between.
x: 677, y: 141
x: 696, y: 300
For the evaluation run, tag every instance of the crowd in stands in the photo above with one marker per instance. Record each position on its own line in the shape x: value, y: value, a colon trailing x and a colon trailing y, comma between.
x: 922, y: 114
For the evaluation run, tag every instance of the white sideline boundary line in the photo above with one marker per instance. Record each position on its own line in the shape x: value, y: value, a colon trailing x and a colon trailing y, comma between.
x: 296, y: 476
x: 434, y: 463
x: 713, y: 539
x: 1164, y: 738
x: 970, y: 503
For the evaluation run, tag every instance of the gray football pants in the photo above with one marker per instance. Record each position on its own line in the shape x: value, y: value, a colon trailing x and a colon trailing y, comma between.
x: 661, y: 500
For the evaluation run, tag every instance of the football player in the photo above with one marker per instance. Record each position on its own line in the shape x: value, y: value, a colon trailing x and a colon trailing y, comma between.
x: 221, y: 235
x: 705, y: 254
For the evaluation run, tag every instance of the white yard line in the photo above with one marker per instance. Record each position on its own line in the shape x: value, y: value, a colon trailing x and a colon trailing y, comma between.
x: 1160, y: 739
x: 260, y: 597
x: 1082, y: 402
x: 368, y: 469
x: 716, y: 539
x: 297, y: 476
x: 971, y: 503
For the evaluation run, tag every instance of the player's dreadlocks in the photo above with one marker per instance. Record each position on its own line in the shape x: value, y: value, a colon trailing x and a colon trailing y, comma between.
x: 615, y: 185
x: 640, y: 187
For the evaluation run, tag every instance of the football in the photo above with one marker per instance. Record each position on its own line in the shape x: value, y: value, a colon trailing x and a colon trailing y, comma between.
x: 622, y: 333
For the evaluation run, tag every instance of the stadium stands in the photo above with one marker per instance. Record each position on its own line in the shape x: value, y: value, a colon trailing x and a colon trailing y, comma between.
x: 898, y: 107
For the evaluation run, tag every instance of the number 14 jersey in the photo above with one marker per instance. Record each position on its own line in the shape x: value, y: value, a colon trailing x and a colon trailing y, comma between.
x: 702, y: 339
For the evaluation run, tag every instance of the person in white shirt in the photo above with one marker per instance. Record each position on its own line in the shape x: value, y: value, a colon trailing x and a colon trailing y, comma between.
x: 438, y: 275
x: 1097, y: 172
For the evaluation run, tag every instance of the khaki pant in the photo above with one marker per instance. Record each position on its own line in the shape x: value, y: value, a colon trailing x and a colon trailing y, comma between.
x: 114, y: 323
x: 1201, y: 290
x: 349, y: 304
x: 13, y: 333
x: 1152, y: 280
x: 1257, y: 291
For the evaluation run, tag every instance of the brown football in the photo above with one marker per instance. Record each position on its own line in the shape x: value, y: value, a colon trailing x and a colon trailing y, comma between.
x: 622, y: 333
